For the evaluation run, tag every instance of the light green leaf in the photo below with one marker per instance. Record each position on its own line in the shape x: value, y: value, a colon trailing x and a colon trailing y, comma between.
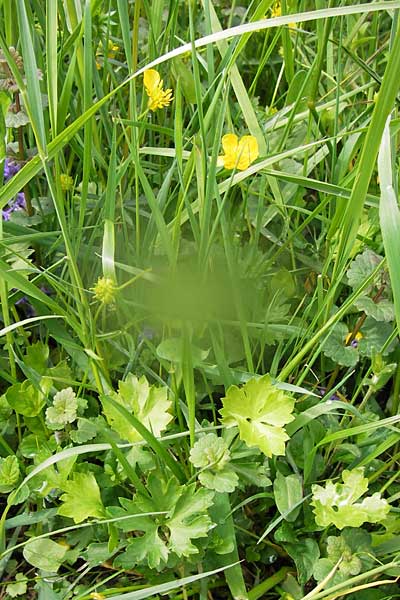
x: 64, y: 409
x: 288, y: 492
x: 260, y: 410
x: 211, y: 454
x: 81, y: 498
x: 220, y: 481
x: 189, y: 520
x: 9, y: 473
x: 45, y: 554
x: 19, y: 587
x: 171, y: 349
x: 27, y: 400
x: 210, y: 451
x: 149, y: 404
x: 335, y: 504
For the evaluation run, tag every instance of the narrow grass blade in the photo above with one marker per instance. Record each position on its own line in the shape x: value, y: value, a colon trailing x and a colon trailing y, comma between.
x: 163, y: 588
x: 384, y: 105
x: 389, y: 216
x: 33, y: 97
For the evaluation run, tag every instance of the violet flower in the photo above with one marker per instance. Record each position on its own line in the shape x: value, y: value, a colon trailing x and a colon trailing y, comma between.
x: 10, y: 169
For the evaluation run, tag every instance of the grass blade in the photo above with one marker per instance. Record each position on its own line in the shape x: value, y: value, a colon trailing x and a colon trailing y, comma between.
x: 389, y: 216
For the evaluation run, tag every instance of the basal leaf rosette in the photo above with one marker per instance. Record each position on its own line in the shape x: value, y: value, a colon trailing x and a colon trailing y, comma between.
x: 260, y: 410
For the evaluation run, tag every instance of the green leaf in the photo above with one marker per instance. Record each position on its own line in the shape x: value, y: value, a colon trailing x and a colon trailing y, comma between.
x: 87, y: 430
x: 45, y: 554
x: 5, y: 410
x: 362, y: 267
x: 336, y: 349
x: 288, y: 491
x: 380, y: 311
x: 335, y: 504
x: 260, y: 410
x: 189, y: 520
x: 375, y: 335
x: 19, y: 587
x: 171, y: 349
x: 220, y: 481
x: 337, y: 549
x: 37, y: 356
x: 305, y: 555
x: 81, y: 498
x: 184, y: 519
x: 64, y: 409
x: 26, y: 399
x: 9, y: 473
x: 147, y: 549
x: 351, y: 551
x: 149, y: 404
x: 182, y: 71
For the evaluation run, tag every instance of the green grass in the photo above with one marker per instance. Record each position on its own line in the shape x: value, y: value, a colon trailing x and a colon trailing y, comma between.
x: 146, y: 287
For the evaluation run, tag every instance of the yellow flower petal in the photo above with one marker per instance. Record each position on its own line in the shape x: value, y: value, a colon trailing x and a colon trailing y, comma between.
x: 239, y: 154
x: 230, y: 146
x: 247, y: 151
x: 151, y: 80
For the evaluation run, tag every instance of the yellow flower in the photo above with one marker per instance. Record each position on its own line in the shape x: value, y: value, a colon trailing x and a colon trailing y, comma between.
x: 239, y: 154
x: 97, y: 596
x: 104, y: 290
x: 66, y: 182
x: 276, y: 10
x: 112, y: 51
x: 153, y: 84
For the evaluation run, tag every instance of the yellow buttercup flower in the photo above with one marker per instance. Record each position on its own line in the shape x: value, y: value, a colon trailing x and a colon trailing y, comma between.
x: 105, y: 290
x: 239, y: 154
x: 276, y: 10
x: 153, y: 84
x: 66, y: 181
x: 112, y: 51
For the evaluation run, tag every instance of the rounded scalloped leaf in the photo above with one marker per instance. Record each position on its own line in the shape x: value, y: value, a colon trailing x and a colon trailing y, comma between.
x: 336, y: 349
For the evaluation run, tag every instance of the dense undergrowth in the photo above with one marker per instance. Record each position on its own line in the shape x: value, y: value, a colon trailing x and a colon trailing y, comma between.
x: 200, y: 299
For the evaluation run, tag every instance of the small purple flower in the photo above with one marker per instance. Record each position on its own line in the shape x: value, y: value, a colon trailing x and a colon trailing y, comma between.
x: 10, y: 169
x: 24, y: 303
x: 17, y: 204
x: 322, y: 392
